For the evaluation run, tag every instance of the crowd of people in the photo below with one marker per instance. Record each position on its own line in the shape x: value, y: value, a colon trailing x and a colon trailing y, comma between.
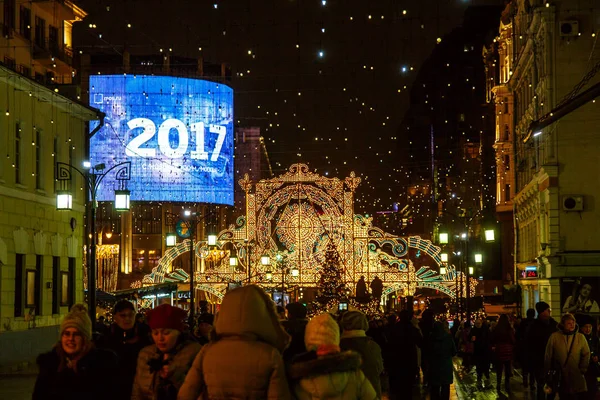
x: 555, y: 358
x: 252, y: 350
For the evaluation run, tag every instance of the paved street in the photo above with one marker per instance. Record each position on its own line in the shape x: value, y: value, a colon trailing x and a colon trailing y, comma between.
x: 20, y: 387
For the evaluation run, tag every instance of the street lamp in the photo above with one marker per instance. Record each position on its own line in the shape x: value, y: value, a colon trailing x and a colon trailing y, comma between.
x: 478, y: 258
x: 64, y: 201
x: 443, y: 238
x: 442, y: 270
x: 444, y: 257
x: 171, y: 240
x: 489, y: 235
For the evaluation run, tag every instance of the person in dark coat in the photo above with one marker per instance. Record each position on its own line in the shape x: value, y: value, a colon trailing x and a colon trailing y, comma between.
x: 480, y: 336
x: 503, y: 341
x: 126, y: 340
x: 403, y: 341
x: 354, y: 326
x: 295, y: 326
x: 75, y: 369
x: 521, y: 350
x: 593, y: 372
x: 377, y: 289
x: 426, y: 325
x: 536, y: 339
x: 362, y: 295
x: 441, y: 372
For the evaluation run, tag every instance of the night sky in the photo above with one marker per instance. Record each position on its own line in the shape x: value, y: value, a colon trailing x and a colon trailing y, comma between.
x: 327, y: 82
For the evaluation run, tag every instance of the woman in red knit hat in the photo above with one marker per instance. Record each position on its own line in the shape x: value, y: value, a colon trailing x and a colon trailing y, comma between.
x: 162, y: 366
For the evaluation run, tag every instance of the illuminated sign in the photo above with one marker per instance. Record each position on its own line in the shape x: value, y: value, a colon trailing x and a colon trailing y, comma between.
x: 530, y: 272
x: 177, y: 133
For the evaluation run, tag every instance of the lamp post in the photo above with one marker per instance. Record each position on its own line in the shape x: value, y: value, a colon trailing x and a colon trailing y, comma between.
x: 190, y: 221
x: 464, y: 237
x: 64, y: 201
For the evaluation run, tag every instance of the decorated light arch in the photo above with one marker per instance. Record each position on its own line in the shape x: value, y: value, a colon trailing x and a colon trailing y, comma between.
x: 299, y: 213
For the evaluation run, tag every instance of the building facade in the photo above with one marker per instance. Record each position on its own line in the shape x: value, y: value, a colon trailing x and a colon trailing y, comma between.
x: 548, y: 178
x: 41, y: 249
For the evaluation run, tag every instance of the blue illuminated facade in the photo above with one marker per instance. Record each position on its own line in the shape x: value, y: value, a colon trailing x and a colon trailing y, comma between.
x: 177, y: 133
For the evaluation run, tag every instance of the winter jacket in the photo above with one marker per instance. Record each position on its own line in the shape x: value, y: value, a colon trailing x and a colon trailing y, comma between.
x: 481, y: 344
x: 243, y: 359
x: 127, y: 345
x: 295, y: 328
x: 536, y: 339
x: 402, y: 349
x: 370, y: 352
x: 333, y: 377
x: 440, y: 357
x: 573, y: 369
x: 93, y: 378
x: 149, y: 385
x: 503, y: 345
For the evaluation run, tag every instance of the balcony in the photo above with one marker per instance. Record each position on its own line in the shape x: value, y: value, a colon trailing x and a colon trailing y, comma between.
x: 53, y: 55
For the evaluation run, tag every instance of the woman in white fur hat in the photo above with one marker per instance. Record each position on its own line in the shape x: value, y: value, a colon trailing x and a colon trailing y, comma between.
x: 74, y: 368
x: 325, y: 372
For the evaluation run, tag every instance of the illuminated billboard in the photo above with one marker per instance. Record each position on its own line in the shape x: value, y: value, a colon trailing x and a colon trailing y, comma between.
x: 176, y: 132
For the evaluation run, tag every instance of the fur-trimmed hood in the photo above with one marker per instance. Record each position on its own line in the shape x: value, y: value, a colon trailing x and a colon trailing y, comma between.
x: 334, y: 376
x: 308, y: 364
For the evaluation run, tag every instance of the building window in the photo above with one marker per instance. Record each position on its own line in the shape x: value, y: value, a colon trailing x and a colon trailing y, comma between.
x: 33, y: 285
x: 19, y: 267
x: 40, y: 32
x: 506, y: 192
x: 25, y: 22
x: 55, y: 149
x: 65, y: 289
x: 506, y: 132
x: 18, y: 153
x: 56, y: 285
x: 38, y: 160
x: 9, y: 16
x: 53, y: 43
x: 507, y: 163
x: 70, y: 286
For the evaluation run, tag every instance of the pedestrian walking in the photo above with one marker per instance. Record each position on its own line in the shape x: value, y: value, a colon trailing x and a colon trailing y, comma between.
x: 426, y: 326
x: 593, y: 372
x: 326, y: 372
x: 162, y: 366
x: 465, y: 344
x: 354, y: 337
x: 126, y: 339
x: 536, y: 339
x: 521, y: 349
x: 442, y: 350
x: 295, y: 327
x: 243, y: 360
x: 503, y: 341
x: 403, y: 367
x: 75, y: 369
x: 480, y: 336
x: 567, y: 351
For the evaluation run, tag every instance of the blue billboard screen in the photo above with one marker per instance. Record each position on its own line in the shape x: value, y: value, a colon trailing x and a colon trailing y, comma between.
x: 176, y: 132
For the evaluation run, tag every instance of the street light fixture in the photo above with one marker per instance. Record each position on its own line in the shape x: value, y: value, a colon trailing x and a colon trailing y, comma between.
x: 233, y: 261
x: 442, y: 270
x: 443, y: 238
x: 295, y: 272
x: 471, y: 271
x: 269, y: 275
x: 444, y: 257
x: 489, y: 235
x: 93, y: 177
x: 171, y: 240
x: 122, y: 200
x: 265, y: 260
x: 478, y: 258
x: 211, y: 240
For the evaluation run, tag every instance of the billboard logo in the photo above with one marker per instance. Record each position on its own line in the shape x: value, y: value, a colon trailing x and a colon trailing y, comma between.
x: 98, y: 98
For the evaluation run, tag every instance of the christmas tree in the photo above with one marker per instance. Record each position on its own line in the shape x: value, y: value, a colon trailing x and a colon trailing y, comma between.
x: 331, y: 289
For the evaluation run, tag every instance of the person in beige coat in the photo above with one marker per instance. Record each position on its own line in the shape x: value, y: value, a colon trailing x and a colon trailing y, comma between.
x: 326, y: 372
x: 572, y: 385
x: 163, y: 365
x: 243, y: 360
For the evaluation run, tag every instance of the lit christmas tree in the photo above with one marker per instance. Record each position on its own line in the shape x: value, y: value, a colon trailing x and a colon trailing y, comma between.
x: 331, y: 287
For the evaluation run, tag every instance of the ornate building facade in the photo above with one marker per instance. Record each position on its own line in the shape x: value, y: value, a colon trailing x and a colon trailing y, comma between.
x: 542, y: 52
x: 41, y: 249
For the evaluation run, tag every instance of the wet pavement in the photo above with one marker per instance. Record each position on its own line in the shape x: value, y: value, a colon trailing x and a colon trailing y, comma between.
x: 20, y: 387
